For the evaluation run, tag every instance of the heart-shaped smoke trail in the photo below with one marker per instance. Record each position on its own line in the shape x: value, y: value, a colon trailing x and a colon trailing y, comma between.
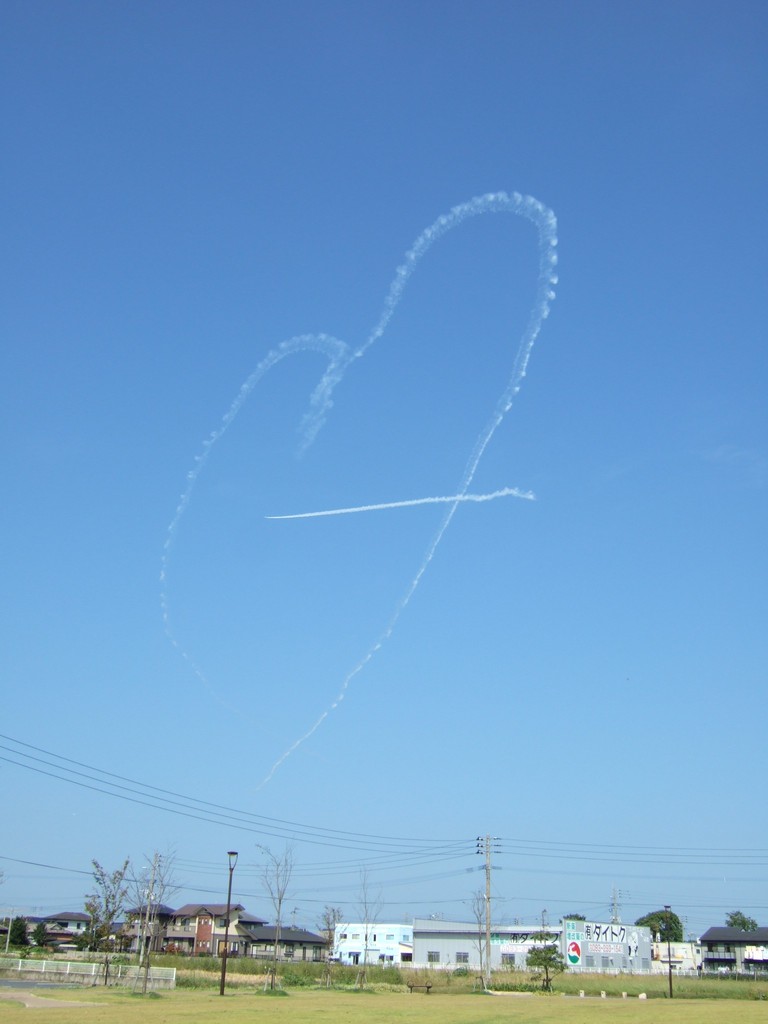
x: 340, y: 356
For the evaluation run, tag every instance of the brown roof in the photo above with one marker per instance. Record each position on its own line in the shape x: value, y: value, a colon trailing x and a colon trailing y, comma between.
x: 212, y: 909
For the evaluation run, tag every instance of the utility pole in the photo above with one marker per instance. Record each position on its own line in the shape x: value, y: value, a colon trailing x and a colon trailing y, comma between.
x: 8, y: 933
x: 668, y: 913
x: 484, y: 846
x: 615, y: 906
x: 232, y: 857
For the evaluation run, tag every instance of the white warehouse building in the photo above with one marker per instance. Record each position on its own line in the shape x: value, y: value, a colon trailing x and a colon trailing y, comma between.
x: 585, y: 945
x: 372, y: 944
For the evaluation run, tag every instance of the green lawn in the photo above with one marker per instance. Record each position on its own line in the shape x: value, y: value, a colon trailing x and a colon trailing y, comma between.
x: 307, y: 1006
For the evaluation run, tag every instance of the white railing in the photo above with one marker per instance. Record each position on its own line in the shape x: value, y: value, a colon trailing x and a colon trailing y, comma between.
x: 60, y: 970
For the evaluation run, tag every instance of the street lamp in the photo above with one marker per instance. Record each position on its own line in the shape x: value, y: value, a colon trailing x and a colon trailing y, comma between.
x: 668, y: 912
x: 232, y: 854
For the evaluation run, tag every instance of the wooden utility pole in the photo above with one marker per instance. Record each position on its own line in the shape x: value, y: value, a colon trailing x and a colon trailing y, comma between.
x: 488, y: 909
x: 484, y: 846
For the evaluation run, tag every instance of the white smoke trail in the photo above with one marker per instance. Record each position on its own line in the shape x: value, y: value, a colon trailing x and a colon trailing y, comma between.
x: 505, y: 492
x: 340, y: 356
x: 336, y: 352
x: 546, y: 224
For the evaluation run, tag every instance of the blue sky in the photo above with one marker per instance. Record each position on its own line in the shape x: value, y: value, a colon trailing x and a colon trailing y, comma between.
x: 188, y: 185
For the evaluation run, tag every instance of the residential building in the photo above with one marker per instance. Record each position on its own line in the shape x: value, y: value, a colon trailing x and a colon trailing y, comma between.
x: 685, y: 956
x: 198, y: 928
x: 65, y: 929
x: 296, y: 944
x: 153, y: 934
x: 359, y: 944
x: 730, y: 949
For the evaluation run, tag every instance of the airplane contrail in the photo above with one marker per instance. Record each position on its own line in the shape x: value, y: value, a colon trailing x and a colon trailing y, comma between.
x: 505, y: 492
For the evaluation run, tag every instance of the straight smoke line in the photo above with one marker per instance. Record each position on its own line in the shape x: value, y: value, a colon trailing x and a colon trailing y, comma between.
x: 505, y: 492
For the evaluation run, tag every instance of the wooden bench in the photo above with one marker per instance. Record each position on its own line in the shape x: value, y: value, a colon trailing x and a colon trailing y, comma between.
x: 412, y: 986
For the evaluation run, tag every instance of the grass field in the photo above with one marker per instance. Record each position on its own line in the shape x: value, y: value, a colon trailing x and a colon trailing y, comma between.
x: 306, y: 1006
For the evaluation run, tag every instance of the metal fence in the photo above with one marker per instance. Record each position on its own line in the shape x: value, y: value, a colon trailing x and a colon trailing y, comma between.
x: 78, y: 973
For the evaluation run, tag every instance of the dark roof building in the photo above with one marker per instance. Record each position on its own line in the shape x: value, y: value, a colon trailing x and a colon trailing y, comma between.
x: 734, y: 950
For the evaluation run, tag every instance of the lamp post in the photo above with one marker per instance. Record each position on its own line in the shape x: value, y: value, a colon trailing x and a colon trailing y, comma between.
x: 232, y: 854
x: 668, y: 912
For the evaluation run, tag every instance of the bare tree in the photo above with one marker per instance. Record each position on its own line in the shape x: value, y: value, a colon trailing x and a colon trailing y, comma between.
x: 370, y: 906
x: 276, y: 877
x: 150, y: 890
x: 104, y: 905
x: 331, y: 916
x: 479, y: 912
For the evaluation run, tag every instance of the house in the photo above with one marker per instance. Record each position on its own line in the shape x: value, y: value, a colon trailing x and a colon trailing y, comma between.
x: 730, y: 949
x: 198, y: 928
x: 373, y: 943
x: 65, y: 929
x: 258, y: 941
x: 137, y: 930
x: 684, y: 956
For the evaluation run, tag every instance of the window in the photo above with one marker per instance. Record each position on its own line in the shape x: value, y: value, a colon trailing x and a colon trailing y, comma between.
x: 463, y: 958
x: 507, y: 959
x: 355, y: 935
x: 343, y: 935
x: 433, y: 957
x: 391, y: 938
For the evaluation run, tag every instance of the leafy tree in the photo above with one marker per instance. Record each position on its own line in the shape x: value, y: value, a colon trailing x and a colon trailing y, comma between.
x: 104, y: 905
x: 738, y: 920
x: 548, y: 960
x: 40, y: 934
x: 18, y: 936
x: 572, y: 917
x: 664, y: 923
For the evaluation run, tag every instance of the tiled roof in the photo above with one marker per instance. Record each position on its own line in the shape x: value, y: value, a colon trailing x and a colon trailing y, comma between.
x: 157, y: 909
x: 266, y: 933
x: 213, y: 909
x: 250, y: 920
x: 759, y: 937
